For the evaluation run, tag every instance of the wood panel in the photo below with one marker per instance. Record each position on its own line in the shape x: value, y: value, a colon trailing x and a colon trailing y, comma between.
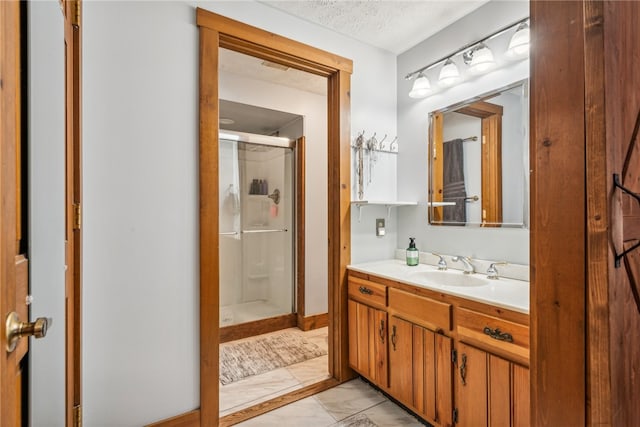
x: 471, y: 393
x: 520, y: 396
x: 315, y: 321
x: 400, y: 353
x: 353, y: 333
x: 558, y: 263
x: 492, y: 170
x: 380, y: 346
x: 423, y: 311
x: 421, y: 351
x: 499, y: 392
x: 444, y: 380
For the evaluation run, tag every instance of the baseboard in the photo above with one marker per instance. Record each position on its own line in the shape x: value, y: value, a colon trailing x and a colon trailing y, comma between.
x: 188, y: 419
x: 258, y: 327
x: 313, y: 322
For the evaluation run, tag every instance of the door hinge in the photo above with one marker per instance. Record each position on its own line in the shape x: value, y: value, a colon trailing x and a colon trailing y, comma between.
x: 77, y: 416
x: 77, y: 216
x: 75, y: 13
x: 454, y: 356
x: 455, y: 416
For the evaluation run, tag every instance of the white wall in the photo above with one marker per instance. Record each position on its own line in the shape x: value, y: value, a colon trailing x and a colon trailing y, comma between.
x: 413, y: 127
x: 141, y: 194
x: 46, y: 210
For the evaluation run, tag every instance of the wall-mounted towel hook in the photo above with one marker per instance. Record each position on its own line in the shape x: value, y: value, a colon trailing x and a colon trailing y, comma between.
x: 381, y: 143
x: 391, y: 146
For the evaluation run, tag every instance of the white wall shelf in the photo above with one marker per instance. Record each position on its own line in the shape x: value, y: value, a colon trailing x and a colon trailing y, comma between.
x: 389, y: 204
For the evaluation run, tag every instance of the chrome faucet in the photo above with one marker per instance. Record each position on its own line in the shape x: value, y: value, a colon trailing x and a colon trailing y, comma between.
x: 492, y: 272
x: 442, y: 264
x: 468, y: 267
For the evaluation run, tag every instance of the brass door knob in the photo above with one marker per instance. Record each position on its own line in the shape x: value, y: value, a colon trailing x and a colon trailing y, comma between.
x: 15, y: 329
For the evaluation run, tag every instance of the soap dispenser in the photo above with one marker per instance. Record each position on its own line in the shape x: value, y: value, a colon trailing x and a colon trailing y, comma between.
x: 413, y: 256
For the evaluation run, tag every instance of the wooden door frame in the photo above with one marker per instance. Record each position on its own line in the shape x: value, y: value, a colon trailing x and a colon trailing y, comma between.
x: 10, y: 139
x: 72, y: 12
x: 218, y: 31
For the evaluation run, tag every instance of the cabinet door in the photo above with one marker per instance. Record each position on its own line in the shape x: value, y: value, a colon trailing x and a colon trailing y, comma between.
x: 400, y: 356
x: 471, y: 386
x: 367, y: 342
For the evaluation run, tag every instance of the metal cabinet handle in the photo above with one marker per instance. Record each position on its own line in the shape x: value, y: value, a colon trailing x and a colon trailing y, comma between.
x: 394, y: 337
x: 381, y: 331
x: 463, y: 369
x: 364, y: 290
x: 497, y: 334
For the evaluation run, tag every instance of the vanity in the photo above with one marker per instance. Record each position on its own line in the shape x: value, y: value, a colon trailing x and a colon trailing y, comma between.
x: 451, y: 347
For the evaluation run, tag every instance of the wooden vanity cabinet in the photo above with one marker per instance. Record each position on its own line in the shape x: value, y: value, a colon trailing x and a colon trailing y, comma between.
x: 490, y: 391
x: 436, y: 356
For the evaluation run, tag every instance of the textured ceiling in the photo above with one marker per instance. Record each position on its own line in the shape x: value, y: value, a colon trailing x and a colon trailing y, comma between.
x: 391, y: 25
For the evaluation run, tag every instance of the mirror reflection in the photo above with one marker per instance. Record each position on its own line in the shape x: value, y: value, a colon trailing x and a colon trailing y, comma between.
x: 479, y: 155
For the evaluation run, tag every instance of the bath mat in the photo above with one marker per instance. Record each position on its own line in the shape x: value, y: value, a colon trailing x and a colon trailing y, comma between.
x: 360, y: 420
x: 253, y: 357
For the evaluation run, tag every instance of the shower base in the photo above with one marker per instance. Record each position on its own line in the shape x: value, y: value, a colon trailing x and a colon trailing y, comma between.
x: 248, y: 312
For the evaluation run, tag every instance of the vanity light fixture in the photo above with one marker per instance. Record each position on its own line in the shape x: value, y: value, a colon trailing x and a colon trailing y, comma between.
x: 519, y: 43
x: 477, y: 56
x: 421, y: 87
x: 479, y: 59
x: 449, y: 74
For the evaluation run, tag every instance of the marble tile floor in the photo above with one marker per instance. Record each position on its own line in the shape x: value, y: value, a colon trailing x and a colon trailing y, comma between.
x: 352, y: 404
x: 255, y: 389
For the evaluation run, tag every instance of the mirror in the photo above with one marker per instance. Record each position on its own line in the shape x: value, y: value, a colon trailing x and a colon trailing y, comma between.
x: 478, y: 160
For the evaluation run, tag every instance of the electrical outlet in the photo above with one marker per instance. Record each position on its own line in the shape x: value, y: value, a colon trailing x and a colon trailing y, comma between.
x: 380, y: 227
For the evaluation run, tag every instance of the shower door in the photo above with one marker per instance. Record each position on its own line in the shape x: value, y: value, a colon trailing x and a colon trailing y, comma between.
x: 257, y: 220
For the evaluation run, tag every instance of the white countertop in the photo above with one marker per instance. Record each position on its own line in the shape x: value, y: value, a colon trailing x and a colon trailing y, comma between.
x: 506, y: 293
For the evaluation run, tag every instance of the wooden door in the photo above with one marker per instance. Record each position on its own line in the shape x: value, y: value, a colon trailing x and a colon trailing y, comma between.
x: 13, y: 264
x: 367, y: 342
x: 444, y: 379
x: 400, y: 359
x: 471, y: 386
x: 520, y: 392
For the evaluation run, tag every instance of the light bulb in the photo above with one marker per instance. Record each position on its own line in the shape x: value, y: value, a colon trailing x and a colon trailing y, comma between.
x: 519, y: 44
x: 449, y: 74
x: 421, y: 87
x: 482, y: 60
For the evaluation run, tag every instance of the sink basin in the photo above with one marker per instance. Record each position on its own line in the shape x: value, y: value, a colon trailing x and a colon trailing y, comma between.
x: 448, y: 278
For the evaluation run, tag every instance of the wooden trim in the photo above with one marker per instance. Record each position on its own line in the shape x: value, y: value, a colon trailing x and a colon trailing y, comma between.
x: 218, y: 31
x: 437, y: 166
x: 278, y: 402
x: 256, y: 42
x: 301, y: 157
x: 315, y: 321
x: 73, y: 203
x: 558, y: 224
x: 209, y: 229
x: 258, y: 327
x: 492, y: 170
x: 189, y: 419
x: 339, y: 174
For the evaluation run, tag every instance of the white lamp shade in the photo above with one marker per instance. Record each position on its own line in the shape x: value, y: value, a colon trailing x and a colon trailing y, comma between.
x: 449, y: 74
x: 519, y: 44
x: 421, y: 87
x: 482, y: 60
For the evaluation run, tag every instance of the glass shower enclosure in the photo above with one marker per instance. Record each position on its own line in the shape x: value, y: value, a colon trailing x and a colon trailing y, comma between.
x: 257, y: 227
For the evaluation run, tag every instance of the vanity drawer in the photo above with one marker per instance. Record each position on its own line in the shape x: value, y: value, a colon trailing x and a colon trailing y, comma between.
x: 421, y: 310
x: 493, y: 333
x: 368, y: 292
